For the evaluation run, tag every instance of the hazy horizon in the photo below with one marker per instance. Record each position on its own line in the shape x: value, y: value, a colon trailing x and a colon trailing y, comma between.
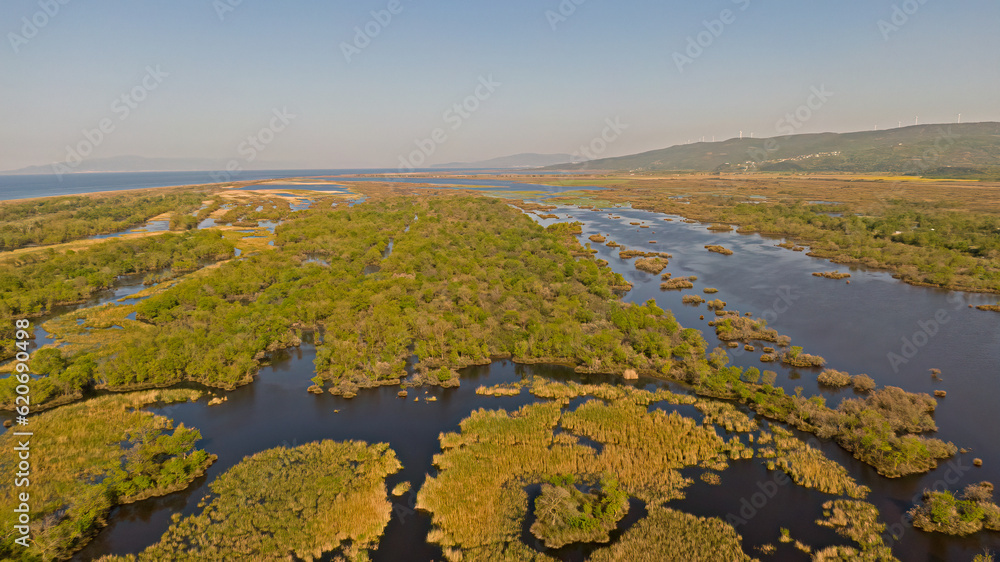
x: 376, y: 83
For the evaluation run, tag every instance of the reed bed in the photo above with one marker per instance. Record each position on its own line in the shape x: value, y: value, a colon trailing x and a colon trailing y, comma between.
x: 717, y: 304
x: 597, y: 238
x: 81, y: 469
x: 726, y: 415
x: 288, y: 503
x: 832, y: 275
x: 629, y: 254
x: 858, y: 521
x: 677, y: 284
x: 652, y: 265
x: 810, y: 468
x: 692, y: 299
x: 478, y: 501
x: 667, y: 535
x: 511, y: 389
x: 719, y: 249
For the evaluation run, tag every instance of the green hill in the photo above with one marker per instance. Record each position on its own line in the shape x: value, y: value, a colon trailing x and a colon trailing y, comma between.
x: 971, y: 149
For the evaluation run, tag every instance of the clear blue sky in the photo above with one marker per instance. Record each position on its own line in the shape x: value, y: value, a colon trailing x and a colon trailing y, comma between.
x: 608, y: 59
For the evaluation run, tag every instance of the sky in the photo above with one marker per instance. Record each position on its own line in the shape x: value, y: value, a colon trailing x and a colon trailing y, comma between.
x: 385, y: 83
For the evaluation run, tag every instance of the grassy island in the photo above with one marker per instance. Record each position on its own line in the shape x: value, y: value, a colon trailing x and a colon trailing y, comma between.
x: 282, y: 504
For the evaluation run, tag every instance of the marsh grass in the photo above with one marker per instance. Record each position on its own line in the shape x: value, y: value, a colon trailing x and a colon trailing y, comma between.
x: 810, y: 468
x: 629, y: 254
x: 692, y: 299
x: 858, y: 521
x: 477, y: 499
x: 667, y: 535
x: 677, y: 284
x: 95, y: 455
x: 719, y: 250
x: 832, y: 275
x: 651, y: 265
x: 283, y: 503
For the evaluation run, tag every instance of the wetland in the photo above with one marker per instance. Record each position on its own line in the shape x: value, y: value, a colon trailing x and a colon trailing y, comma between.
x: 518, y: 336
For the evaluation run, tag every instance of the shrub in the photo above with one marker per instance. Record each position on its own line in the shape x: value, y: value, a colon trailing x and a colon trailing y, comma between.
x: 796, y: 358
x: 834, y: 378
x: 863, y: 383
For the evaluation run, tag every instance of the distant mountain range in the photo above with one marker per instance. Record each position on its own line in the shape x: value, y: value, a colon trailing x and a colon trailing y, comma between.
x: 143, y: 164
x: 968, y: 149
x: 527, y: 160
